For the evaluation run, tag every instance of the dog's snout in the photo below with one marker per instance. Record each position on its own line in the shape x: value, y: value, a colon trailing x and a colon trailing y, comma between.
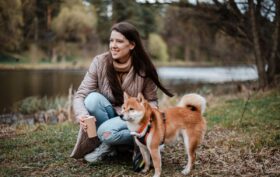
x: 121, y: 116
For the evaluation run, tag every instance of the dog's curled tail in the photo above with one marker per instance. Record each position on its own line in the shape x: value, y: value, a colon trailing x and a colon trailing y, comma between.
x: 194, y: 102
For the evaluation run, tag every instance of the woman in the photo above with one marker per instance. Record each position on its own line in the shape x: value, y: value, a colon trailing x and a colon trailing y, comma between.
x: 126, y: 67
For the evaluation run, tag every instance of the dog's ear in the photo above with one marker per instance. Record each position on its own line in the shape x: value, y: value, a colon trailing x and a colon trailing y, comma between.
x: 140, y: 97
x: 125, y: 96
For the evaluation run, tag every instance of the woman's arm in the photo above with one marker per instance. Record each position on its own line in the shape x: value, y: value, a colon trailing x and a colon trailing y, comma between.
x: 88, y: 85
x: 150, y: 92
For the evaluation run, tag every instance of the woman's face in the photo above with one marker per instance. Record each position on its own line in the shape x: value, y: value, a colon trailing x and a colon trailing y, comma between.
x: 120, y: 47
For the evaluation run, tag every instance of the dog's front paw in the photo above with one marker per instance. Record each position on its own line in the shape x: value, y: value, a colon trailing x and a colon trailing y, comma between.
x: 186, y: 171
x: 134, y: 134
x: 145, y: 170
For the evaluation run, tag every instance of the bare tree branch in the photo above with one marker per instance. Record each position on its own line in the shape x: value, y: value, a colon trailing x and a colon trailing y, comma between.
x: 235, y: 9
x: 269, y: 10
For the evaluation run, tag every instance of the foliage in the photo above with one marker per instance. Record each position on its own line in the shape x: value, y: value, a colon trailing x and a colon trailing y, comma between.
x: 74, y: 21
x: 103, y: 20
x: 142, y: 15
x: 11, y: 23
x: 139, y: 14
x: 157, y: 47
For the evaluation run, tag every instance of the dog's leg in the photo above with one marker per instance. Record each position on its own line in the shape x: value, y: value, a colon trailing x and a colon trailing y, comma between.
x: 146, y: 157
x: 190, y: 147
x: 156, y: 157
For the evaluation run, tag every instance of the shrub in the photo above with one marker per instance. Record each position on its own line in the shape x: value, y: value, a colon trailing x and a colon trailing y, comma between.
x: 157, y: 47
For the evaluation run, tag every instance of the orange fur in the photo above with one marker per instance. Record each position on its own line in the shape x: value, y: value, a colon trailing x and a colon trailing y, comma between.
x: 186, y: 120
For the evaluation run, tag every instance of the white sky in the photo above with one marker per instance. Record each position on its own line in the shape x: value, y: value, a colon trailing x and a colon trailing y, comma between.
x: 191, y: 1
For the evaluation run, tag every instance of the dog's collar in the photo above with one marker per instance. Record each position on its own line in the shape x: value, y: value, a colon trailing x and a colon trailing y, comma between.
x: 143, y: 139
x: 140, y: 134
x: 143, y: 132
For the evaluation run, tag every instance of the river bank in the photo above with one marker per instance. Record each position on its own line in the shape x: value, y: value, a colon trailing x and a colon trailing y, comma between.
x: 84, y: 64
x: 43, y: 66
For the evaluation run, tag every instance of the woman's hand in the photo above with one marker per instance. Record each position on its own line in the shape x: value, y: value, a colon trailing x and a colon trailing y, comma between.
x: 82, y: 122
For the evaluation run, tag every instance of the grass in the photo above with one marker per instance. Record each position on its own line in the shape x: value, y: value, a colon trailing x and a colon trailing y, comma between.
x: 257, y: 114
x: 31, y: 105
x: 240, y: 141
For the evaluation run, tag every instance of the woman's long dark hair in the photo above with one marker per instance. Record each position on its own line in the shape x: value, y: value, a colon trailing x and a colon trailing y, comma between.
x: 141, y: 62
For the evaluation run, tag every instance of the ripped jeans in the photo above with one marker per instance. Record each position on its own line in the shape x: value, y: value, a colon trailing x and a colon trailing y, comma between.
x: 111, y: 129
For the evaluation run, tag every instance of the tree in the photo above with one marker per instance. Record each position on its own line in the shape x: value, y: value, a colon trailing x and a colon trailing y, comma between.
x: 142, y: 15
x: 254, y: 23
x: 262, y: 34
x: 37, y: 17
x: 104, y: 22
x: 191, y: 36
x: 75, y: 22
x: 11, y: 23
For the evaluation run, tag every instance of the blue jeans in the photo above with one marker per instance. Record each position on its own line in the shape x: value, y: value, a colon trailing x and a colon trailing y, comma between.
x: 111, y: 129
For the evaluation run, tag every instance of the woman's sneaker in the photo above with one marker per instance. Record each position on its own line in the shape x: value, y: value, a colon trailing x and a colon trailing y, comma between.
x: 98, y: 153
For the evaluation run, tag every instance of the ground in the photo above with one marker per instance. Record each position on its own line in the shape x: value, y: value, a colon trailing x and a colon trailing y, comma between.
x: 243, y: 139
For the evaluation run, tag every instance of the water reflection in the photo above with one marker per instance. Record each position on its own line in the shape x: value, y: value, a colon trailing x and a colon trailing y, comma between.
x: 16, y: 85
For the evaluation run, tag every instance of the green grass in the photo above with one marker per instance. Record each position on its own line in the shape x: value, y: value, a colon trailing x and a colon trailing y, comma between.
x: 234, y: 145
x: 258, y: 116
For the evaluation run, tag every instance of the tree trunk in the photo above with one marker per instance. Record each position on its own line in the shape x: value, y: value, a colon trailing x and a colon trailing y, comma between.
x: 273, y: 64
x: 49, y: 17
x: 187, y: 53
x: 260, y: 61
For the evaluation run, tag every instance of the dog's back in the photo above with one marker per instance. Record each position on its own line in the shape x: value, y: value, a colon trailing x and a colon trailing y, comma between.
x: 187, y: 116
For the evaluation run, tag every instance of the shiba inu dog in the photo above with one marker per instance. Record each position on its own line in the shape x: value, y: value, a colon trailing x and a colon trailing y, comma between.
x: 151, y: 127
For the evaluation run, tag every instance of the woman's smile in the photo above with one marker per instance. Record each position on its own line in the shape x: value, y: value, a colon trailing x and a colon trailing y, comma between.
x: 120, y: 47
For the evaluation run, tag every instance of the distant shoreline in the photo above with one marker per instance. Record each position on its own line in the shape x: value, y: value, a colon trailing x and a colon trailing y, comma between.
x: 85, y: 65
x: 60, y: 66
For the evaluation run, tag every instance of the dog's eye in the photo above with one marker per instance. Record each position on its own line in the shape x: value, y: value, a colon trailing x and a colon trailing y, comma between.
x: 131, y: 109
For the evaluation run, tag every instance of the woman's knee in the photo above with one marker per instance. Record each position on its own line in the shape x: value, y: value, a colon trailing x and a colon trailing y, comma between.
x: 92, y: 101
x: 106, y: 135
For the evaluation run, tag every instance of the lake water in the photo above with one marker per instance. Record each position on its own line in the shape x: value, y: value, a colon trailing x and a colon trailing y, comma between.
x: 209, y: 74
x: 17, y: 85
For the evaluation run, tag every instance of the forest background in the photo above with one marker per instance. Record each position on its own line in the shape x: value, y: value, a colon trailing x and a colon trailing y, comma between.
x: 228, y: 32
